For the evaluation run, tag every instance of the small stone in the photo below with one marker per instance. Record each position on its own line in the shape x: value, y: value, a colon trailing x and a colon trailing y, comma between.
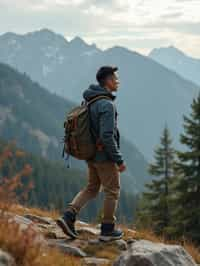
x: 20, y: 219
x: 81, y: 223
x: 130, y: 241
x: 39, y: 219
x: 52, y: 232
x: 131, y: 233
x: 88, y: 230
x: 24, y: 223
x: 94, y: 262
x: 94, y: 241
x: 121, y: 244
x: 98, y: 226
x: 43, y: 226
x: 6, y: 259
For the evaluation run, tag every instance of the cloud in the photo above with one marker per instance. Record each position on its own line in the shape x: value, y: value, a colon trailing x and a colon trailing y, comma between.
x: 138, y: 24
x: 174, y: 15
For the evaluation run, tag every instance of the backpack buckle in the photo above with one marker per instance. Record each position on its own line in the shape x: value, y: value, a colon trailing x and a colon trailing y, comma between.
x: 99, y: 145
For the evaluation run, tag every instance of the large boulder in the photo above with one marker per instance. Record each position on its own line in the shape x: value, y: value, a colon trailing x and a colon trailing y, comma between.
x: 147, y: 253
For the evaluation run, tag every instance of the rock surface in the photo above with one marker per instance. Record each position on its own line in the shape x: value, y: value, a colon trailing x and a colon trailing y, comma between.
x: 67, y: 248
x: 94, y: 262
x: 6, y: 259
x: 39, y: 219
x: 147, y: 253
x: 89, y: 230
x: 93, y: 252
x: 121, y: 244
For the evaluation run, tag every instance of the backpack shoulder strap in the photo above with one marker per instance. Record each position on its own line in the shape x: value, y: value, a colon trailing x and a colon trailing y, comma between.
x: 97, y: 98
x: 88, y: 105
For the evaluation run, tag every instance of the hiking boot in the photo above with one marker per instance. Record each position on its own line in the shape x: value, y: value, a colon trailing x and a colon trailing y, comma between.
x: 67, y: 224
x: 109, y: 233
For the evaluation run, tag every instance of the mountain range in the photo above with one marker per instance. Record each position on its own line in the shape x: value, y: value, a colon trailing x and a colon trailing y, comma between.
x: 150, y: 94
x: 174, y: 59
x: 34, y: 117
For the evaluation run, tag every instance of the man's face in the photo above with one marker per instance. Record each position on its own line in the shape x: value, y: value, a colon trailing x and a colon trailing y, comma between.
x: 112, y: 82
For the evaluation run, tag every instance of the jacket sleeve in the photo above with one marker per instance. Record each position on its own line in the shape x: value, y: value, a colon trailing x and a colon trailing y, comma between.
x: 106, y: 127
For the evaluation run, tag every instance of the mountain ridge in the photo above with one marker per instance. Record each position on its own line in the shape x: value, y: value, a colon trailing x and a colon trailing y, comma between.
x: 146, y: 87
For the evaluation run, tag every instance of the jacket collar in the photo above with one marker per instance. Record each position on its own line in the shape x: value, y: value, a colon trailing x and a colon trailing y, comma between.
x: 109, y: 93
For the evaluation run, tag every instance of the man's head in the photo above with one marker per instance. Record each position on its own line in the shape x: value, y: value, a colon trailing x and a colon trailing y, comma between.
x: 107, y: 77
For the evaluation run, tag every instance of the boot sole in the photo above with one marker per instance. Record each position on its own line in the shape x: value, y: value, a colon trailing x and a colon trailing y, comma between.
x: 110, y: 238
x: 63, y: 225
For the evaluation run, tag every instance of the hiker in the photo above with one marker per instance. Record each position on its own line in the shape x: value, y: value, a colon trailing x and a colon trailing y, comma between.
x: 104, y: 169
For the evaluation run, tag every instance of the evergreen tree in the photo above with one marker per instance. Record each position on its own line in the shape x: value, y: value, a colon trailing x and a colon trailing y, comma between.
x: 187, y: 201
x: 154, y: 207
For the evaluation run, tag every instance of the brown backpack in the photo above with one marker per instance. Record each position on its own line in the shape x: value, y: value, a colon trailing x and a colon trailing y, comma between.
x: 79, y: 138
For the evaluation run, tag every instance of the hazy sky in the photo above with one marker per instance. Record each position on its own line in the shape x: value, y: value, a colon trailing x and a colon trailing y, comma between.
x: 137, y: 24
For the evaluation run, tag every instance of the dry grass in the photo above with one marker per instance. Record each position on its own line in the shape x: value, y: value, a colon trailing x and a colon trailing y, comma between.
x: 27, y: 250
x: 12, y: 189
x: 22, y: 210
x: 24, y: 245
x: 193, y: 251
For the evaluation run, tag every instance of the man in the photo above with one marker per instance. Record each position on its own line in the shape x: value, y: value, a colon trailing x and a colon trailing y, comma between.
x: 104, y: 170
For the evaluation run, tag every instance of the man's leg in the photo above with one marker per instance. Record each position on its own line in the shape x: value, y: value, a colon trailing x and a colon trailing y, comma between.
x: 110, y: 179
x: 89, y: 192
x: 67, y: 222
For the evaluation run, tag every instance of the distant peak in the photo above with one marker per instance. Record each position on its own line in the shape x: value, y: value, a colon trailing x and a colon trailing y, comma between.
x: 79, y: 43
x: 8, y: 35
x: 78, y: 40
x: 47, y: 34
x: 172, y: 47
x: 120, y: 49
x: 42, y: 32
x: 116, y: 48
x: 172, y: 50
x: 45, y: 31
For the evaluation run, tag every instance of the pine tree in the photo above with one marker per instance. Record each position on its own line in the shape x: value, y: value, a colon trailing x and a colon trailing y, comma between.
x: 187, y: 211
x: 155, y: 201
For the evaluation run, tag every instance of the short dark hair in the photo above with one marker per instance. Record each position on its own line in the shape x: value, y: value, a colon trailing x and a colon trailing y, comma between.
x: 104, y: 72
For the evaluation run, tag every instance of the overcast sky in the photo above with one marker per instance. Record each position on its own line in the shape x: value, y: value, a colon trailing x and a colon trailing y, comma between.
x: 137, y: 24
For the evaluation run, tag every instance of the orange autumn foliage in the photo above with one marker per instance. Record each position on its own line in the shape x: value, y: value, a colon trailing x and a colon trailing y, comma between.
x: 23, y: 245
x: 9, y: 186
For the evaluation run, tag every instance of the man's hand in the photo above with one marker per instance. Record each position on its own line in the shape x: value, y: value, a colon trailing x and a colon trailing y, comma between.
x: 122, y: 167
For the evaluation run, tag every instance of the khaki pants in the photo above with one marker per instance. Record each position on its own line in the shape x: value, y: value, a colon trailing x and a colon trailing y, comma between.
x: 105, y: 174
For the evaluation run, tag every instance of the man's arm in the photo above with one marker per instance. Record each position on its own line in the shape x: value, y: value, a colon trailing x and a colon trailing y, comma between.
x: 107, y: 125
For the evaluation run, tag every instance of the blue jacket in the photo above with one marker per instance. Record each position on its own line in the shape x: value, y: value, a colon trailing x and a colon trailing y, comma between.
x: 103, y: 115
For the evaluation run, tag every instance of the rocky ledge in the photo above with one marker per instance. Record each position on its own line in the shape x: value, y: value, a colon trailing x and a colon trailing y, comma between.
x: 92, y: 252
